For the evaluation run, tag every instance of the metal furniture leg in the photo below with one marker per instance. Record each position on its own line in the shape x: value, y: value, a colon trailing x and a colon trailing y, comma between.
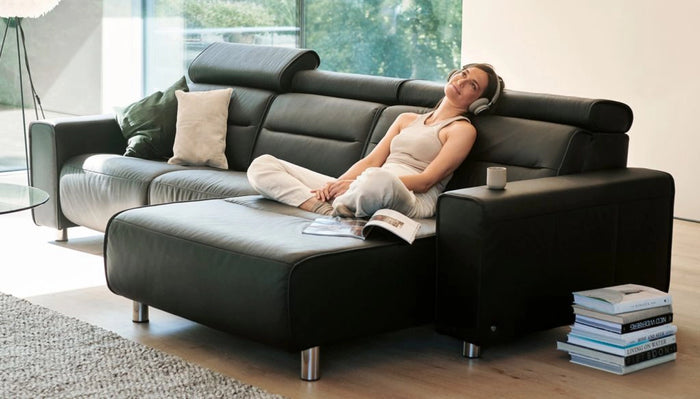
x: 310, y: 359
x: 62, y: 235
x: 470, y: 350
x: 140, y: 313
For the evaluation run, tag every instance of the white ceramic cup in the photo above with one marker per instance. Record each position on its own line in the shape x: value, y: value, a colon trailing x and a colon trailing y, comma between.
x: 496, y: 177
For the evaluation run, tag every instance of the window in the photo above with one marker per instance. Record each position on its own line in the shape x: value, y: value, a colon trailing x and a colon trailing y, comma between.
x: 399, y: 38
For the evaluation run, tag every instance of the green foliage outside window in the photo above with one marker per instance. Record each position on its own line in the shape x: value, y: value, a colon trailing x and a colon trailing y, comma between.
x: 399, y: 38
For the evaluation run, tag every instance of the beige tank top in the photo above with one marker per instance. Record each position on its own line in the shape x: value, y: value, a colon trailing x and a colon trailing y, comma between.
x: 419, y: 144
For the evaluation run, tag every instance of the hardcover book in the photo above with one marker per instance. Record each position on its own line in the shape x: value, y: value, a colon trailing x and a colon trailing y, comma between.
x: 621, y: 350
x: 622, y: 298
x: 617, y: 369
x: 623, y: 318
x: 608, y: 358
x: 387, y: 219
x: 625, y: 328
x: 649, y: 334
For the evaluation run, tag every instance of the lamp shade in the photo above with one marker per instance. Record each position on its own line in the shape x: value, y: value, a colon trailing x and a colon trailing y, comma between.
x: 26, y: 8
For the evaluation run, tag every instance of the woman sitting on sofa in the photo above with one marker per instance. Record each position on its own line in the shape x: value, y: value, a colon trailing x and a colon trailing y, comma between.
x: 408, y: 168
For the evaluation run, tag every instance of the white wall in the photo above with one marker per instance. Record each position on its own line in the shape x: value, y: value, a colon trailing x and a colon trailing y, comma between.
x: 641, y: 52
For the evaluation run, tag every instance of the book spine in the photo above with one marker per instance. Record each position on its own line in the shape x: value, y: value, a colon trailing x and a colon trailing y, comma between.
x: 649, y: 334
x: 651, y: 354
x: 648, y: 346
x: 645, y: 304
x: 647, y: 323
x: 619, y: 350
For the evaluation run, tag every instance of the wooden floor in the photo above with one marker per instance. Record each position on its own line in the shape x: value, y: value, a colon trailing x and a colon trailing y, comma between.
x: 414, y: 363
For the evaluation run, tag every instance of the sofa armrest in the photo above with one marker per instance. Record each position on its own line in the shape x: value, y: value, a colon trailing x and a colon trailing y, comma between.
x: 52, y: 142
x: 507, y: 261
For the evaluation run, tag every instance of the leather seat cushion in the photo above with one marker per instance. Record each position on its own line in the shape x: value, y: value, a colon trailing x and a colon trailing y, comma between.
x: 199, y: 183
x: 94, y: 187
x: 262, y: 278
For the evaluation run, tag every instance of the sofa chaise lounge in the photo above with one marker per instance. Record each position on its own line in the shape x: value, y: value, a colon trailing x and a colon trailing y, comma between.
x: 199, y: 242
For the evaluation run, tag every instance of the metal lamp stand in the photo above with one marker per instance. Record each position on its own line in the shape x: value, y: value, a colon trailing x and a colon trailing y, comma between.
x: 16, y: 22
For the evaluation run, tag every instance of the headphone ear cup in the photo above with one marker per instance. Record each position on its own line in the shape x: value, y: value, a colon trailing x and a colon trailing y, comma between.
x: 479, y: 105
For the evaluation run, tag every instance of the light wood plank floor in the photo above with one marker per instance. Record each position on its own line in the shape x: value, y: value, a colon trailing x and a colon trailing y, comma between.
x: 414, y: 363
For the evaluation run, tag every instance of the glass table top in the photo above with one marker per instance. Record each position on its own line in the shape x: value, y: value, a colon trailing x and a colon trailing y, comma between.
x: 15, y: 197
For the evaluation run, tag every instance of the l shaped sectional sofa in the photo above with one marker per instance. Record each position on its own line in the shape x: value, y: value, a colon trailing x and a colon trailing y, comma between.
x: 491, y: 266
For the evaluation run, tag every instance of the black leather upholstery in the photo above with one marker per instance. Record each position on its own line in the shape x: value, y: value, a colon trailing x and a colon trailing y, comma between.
x: 232, y: 64
x: 529, y: 148
x: 262, y: 277
x: 509, y: 260
x: 93, y: 187
x: 53, y: 142
x: 347, y: 85
x: 603, y: 116
x: 197, y: 184
x: 328, y: 142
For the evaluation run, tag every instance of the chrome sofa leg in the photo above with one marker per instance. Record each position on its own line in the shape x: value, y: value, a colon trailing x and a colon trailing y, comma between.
x: 470, y: 350
x: 140, y: 313
x: 62, y: 235
x: 310, y: 359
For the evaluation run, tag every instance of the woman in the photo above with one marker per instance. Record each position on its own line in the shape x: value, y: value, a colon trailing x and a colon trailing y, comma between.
x: 408, y: 168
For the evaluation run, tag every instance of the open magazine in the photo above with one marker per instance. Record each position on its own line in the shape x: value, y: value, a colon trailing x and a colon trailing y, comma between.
x: 390, y: 220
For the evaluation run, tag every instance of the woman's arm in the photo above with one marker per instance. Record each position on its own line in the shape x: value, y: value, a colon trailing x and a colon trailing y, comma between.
x: 459, y: 140
x: 376, y: 158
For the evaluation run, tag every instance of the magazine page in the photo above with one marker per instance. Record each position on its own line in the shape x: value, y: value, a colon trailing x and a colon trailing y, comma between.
x: 395, y: 222
x: 335, y: 226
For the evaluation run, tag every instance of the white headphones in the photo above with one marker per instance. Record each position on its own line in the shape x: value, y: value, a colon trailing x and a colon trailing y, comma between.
x: 482, y: 104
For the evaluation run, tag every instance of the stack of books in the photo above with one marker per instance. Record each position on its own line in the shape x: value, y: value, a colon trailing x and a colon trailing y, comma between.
x: 621, y: 329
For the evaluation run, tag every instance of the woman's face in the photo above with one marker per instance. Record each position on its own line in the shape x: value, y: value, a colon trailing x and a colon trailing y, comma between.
x: 465, y: 86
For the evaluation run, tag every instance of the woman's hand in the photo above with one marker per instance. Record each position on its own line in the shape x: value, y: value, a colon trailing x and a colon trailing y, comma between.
x: 338, y: 187
x: 331, y: 190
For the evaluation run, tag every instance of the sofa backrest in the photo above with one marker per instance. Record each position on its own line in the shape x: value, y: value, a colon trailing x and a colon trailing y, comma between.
x: 324, y: 134
x: 326, y: 123
x: 282, y: 105
x: 539, y: 135
x: 257, y: 75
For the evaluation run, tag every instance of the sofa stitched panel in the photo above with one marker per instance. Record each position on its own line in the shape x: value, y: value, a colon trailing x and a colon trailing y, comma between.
x: 328, y: 142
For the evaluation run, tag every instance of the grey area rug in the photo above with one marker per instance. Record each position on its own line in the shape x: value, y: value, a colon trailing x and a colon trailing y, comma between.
x: 44, y: 354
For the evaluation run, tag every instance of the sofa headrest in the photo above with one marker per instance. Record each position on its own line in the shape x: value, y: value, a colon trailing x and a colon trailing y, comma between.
x: 262, y: 67
x: 604, y: 116
x: 421, y: 93
x: 348, y: 85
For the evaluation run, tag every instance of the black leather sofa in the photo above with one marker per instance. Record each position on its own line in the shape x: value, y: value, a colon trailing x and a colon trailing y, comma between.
x: 492, y: 266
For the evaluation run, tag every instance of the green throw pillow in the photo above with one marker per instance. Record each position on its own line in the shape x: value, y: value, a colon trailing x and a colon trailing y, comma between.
x: 148, y: 125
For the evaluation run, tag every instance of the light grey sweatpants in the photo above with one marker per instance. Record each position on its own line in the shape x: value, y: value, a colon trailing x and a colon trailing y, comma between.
x: 374, y: 189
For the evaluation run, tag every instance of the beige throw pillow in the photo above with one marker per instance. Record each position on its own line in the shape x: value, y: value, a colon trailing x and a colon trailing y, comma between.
x: 200, y: 133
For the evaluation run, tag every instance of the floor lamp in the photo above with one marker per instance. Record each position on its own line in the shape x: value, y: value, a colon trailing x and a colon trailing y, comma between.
x: 12, y: 12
